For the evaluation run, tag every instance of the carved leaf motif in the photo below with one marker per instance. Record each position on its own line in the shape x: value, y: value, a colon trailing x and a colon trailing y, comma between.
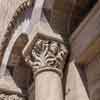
x: 47, y: 53
x: 10, y: 97
x: 3, y: 97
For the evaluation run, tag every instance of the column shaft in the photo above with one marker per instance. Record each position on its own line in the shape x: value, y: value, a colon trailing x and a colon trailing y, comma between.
x: 48, y: 86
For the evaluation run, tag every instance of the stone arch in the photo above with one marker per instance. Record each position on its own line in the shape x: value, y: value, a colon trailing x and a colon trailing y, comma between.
x: 12, y: 61
x: 18, y: 69
x: 19, y: 20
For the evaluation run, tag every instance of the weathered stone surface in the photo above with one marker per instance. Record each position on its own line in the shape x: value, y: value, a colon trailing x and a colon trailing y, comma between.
x: 7, y: 83
x: 75, y: 89
x: 10, y: 97
x: 93, y: 78
x: 58, y: 21
x: 83, y: 42
x: 7, y: 9
x: 46, y: 53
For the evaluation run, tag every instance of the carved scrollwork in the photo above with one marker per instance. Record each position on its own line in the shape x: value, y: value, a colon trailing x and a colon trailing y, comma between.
x: 47, y: 54
x: 10, y: 97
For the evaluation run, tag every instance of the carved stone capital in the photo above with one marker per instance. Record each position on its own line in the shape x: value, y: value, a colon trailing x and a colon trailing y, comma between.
x: 46, y: 54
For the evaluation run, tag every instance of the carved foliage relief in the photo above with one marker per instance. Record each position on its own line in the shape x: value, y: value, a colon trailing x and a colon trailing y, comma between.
x: 47, y: 53
x: 10, y: 97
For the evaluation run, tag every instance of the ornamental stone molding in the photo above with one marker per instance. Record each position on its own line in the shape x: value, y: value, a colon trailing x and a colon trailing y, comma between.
x: 45, y: 53
x: 13, y: 24
x: 10, y: 97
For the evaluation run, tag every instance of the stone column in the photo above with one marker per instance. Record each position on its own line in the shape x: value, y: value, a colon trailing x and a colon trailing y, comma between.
x: 47, y: 58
